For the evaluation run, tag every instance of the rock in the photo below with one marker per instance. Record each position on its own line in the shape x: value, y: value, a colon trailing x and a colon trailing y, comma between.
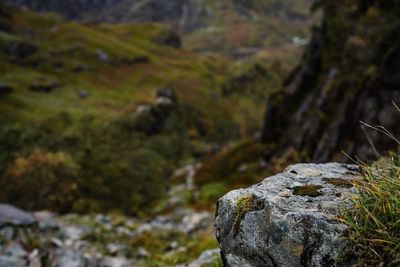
x: 169, y: 38
x: 56, y: 242
x: 102, y: 56
x: 80, y: 68
x: 142, y: 253
x: 46, y: 220
x: 166, y: 96
x: 142, y: 108
x: 261, y: 226
x: 207, y: 258
x: 69, y: 258
x: 44, y: 87
x: 196, y: 221
x: 15, y: 250
x: 103, y: 219
x: 21, y: 49
x: 5, y: 90
x: 114, y: 249
x: 83, y: 94
x: 134, y: 60
x: 6, y: 261
x: 10, y: 215
x: 34, y: 259
x: 172, y: 246
x: 73, y: 233
x: 115, y: 262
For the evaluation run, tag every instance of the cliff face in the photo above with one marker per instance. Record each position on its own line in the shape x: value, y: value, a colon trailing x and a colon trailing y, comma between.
x: 350, y: 73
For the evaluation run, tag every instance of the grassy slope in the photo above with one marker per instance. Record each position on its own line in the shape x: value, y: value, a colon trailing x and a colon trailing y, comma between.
x: 262, y: 24
x: 112, y: 87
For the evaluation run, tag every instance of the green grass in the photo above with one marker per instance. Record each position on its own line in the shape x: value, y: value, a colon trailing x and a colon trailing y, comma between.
x: 375, y: 219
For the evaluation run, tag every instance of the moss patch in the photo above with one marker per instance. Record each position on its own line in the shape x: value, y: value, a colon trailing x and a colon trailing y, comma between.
x: 245, y: 204
x: 339, y: 182
x: 308, y: 190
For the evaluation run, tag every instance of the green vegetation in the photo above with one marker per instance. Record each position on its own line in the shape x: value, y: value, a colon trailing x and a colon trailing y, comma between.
x: 374, y: 220
x: 308, y: 190
x: 73, y: 111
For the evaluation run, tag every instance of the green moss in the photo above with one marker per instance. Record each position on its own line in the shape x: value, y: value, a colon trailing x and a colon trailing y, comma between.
x: 339, y: 182
x: 245, y: 204
x: 307, y: 190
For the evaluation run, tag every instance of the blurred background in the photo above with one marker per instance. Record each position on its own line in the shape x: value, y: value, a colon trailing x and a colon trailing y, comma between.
x: 124, y: 121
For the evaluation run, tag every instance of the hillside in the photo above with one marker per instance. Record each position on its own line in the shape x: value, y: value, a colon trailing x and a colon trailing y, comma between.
x: 204, y: 25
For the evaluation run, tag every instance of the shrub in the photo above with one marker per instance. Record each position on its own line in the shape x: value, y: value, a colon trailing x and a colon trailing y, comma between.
x: 42, y: 180
x: 375, y: 219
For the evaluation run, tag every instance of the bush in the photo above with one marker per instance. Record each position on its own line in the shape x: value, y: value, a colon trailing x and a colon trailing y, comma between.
x: 375, y: 219
x: 42, y: 180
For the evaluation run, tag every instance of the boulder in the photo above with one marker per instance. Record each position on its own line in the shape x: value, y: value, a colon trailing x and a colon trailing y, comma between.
x: 288, y: 219
x: 10, y: 215
x: 21, y: 50
x: 5, y: 90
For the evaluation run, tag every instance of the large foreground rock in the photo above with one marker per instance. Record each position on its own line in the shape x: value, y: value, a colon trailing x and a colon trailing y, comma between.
x: 288, y: 219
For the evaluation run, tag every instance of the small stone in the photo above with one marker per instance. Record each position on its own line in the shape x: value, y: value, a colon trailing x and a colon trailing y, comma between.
x: 284, y: 194
x: 57, y: 242
x: 196, y: 221
x: 142, y: 253
x: 115, y: 262
x: 15, y: 250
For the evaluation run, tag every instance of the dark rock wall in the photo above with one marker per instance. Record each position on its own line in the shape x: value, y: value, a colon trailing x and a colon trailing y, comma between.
x: 350, y: 73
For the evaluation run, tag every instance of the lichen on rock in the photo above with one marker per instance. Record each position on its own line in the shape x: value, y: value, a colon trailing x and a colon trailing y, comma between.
x: 245, y: 204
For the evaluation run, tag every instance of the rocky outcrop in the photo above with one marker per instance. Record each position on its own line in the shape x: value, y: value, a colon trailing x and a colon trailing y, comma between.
x: 347, y: 75
x: 288, y: 219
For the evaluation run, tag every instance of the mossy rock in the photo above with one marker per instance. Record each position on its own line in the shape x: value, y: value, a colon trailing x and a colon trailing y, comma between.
x: 246, y: 203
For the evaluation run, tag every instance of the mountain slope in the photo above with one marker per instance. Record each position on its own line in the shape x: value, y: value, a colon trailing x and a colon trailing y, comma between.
x: 205, y: 24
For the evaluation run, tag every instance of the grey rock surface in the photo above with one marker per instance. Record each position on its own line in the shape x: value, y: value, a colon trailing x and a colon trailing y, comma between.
x: 10, y: 215
x: 288, y: 219
x: 6, y: 261
x: 69, y: 258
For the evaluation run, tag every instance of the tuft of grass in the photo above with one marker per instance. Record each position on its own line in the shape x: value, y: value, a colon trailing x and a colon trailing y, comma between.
x: 374, y: 220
